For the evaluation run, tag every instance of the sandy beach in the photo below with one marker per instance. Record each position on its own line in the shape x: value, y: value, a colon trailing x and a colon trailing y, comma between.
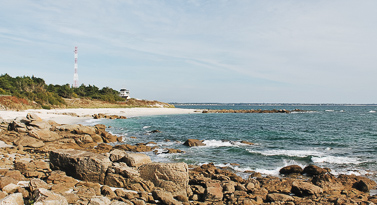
x: 75, y: 116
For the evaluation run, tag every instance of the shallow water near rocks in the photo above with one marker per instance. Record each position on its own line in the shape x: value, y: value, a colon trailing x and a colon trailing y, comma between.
x: 343, y: 138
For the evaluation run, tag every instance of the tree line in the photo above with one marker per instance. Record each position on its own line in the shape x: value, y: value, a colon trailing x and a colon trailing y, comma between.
x: 35, y: 89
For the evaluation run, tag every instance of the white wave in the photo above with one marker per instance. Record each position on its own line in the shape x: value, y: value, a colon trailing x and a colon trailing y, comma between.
x: 290, y: 153
x: 329, y: 110
x: 350, y: 172
x: 218, y: 143
x: 146, y: 127
x: 372, y: 111
x: 336, y: 160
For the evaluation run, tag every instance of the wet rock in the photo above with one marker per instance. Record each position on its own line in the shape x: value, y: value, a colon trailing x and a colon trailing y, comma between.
x: 292, y: 169
x: 246, y: 142
x: 314, y: 170
x: 194, y: 142
x: 172, y: 177
x: 81, y: 164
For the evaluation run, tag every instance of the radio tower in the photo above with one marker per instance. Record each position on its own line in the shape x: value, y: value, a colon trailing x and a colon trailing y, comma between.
x: 75, y: 76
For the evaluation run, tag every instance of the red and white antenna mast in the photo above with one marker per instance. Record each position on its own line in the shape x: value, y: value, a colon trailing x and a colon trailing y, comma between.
x: 75, y: 76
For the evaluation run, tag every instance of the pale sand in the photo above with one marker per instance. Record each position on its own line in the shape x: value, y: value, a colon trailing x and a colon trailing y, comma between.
x: 85, y: 114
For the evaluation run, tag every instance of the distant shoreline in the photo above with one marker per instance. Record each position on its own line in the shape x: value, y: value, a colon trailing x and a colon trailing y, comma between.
x: 272, y: 104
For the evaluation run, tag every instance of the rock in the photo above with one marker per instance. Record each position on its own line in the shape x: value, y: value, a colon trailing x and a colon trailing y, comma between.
x: 85, y: 130
x: 136, y: 159
x: 214, y: 191
x: 107, y: 137
x: 13, y: 199
x: 4, y: 181
x: 15, y: 174
x: 97, y: 138
x: 40, y: 125
x: 106, y: 191
x: 172, y: 177
x: 301, y: 188
x: 292, y: 169
x: 99, y: 200
x: 246, y: 142
x: 96, y: 187
x: 165, y: 197
x: 33, y: 117
x: 37, y: 168
x: 27, y: 141
x: 360, y: 185
x: 81, y: 165
x: 276, y: 197
x: 123, y: 170
x: 11, y: 188
x: 312, y: 170
x: 36, y: 183
x: 116, y: 155
x: 44, y: 197
x: 44, y: 135
x: 194, y: 142
x: 69, y: 128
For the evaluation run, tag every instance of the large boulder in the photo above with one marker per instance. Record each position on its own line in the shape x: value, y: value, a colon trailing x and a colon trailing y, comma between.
x: 81, y: 165
x: 194, y: 142
x: 172, y: 177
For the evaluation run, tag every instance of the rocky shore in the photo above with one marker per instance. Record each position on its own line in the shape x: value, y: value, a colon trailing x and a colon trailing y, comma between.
x: 43, y: 162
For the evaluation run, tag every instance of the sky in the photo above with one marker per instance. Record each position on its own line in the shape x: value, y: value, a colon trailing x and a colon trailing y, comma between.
x: 225, y: 51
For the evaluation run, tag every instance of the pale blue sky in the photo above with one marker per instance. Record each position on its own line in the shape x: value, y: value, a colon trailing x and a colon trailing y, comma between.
x: 290, y: 51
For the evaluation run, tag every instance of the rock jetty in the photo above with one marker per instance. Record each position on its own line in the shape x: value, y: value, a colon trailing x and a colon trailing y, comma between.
x: 43, y: 162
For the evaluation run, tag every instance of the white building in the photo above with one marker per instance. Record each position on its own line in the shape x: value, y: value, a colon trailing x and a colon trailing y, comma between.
x: 124, y: 93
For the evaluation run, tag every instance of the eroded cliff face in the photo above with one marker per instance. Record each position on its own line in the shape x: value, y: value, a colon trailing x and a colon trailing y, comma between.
x: 45, y: 162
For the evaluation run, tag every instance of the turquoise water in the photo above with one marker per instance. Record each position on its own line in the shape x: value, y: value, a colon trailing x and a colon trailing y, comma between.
x: 343, y: 138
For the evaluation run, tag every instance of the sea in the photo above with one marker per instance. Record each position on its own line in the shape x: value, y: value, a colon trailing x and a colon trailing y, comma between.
x: 340, y: 137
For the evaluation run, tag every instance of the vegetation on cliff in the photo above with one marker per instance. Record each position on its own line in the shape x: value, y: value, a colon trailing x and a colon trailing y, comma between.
x: 32, y: 92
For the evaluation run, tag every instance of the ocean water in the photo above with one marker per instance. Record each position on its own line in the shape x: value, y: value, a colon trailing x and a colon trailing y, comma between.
x: 343, y: 138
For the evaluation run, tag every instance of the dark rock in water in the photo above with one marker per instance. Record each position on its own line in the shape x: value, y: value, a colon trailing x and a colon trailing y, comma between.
x: 155, y: 131
x: 292, y: 169
x: 312, y: 170
x: 194, y: 142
